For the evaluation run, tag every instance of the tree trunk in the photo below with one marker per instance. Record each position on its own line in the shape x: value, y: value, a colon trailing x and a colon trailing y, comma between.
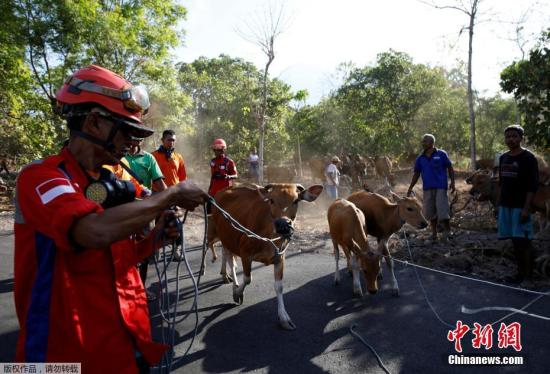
x: 263, y: 111
x: 299, y: 159
x: 470, y: 91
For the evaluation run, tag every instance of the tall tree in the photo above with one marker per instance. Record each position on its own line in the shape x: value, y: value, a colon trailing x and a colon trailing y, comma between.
x: 267, y: 28
x: 225, y: 91
x: 471, y: 9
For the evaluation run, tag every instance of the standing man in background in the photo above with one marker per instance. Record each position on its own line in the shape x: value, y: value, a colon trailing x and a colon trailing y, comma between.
x: 172, y: 167
x: 434, y: 164
x: 145, y: 166
x: 519, y: 179
x: 223, y: 169
x: 170, y: 162
x: 253, y: 165
x: 333, y: 178
x: 147, y: 169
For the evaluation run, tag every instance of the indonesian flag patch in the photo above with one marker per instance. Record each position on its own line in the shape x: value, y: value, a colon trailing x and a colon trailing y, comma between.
x: 53, y: 188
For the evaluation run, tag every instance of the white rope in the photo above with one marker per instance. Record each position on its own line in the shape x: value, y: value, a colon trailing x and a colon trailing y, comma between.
x: 466, y: 310
x: 514, y: 310
x: 239, y: 227
x: 422, y: 286
x: 473, y: 279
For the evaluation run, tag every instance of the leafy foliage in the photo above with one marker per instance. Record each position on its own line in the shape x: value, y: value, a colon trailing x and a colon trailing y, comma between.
x: 529, y: 81
x: 47, y: 39
x: 226, y: 94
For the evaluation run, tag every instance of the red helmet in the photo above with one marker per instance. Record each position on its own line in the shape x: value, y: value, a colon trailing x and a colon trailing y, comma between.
x: 94, y: 84
x: 219, y: 144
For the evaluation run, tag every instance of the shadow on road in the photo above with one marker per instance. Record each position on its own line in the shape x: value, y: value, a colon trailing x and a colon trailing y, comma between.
x: 8, y: 342
x: 6, y: 285
x: 252, y: 339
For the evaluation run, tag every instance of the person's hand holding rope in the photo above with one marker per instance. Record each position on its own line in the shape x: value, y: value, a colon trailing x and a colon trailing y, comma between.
x: 189, y: 195
x: 167, y: 224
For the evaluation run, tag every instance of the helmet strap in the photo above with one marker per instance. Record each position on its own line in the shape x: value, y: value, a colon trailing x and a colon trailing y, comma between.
x: 108, y: 144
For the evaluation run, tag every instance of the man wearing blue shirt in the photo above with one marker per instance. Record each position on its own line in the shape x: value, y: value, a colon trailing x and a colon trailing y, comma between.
x: 434, y: 164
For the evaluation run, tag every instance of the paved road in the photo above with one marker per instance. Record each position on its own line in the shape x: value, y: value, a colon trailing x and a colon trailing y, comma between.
x: 403, y: 330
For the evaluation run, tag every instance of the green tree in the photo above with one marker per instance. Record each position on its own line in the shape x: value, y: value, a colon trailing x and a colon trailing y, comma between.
x: 47, y: 39
x: 224, y: 92
x: 529, y: 81
x: 380, y: 102
x: 24, y: 129
x: 493, y: 115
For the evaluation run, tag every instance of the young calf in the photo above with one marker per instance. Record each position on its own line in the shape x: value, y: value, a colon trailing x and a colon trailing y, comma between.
x: 346, y: 224
x: 384, y: 218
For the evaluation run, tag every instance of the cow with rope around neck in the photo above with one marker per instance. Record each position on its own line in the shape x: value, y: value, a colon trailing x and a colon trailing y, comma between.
x: 268, y: 213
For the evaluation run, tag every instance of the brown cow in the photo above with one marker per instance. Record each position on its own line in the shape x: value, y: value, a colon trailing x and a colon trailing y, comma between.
x: 358, y: 170
x: 485, y: 188
x: 280, y: 174
x: 384, y: 218
x: 485, y: 164
x: 269, y: 212
x: 383, y: 168
x: 346, y: 225
x: 4, y: 164
x: 318, y: 166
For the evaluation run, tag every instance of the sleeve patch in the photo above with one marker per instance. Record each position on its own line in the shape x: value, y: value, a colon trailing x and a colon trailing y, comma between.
x: 52, y: 188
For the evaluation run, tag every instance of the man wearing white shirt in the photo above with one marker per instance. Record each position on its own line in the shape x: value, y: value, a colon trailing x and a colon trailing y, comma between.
x: 333, y: 178
x: 254, y: 165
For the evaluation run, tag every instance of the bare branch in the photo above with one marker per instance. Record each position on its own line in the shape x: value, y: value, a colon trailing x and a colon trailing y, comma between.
x: 45, y: 58
x: 29, y: 17
x: 453, y: 7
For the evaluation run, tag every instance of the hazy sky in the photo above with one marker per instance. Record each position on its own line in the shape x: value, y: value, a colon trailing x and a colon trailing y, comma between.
x: 321, y: 34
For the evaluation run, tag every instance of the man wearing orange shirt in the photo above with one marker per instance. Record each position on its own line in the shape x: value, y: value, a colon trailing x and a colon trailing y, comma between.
x: 172, y: 167
x: 170, y: 162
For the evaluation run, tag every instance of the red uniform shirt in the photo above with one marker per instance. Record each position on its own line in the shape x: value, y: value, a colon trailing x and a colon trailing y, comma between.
x: 73, y: 304
x: 221, y: 167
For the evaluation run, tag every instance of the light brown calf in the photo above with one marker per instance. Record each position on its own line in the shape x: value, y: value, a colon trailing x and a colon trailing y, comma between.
x: 383, y: 168
x: 346, y: 225
x: 383, y: 219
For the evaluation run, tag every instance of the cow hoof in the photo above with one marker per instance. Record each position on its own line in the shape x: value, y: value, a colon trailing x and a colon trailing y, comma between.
x: 336, y: 283
x: 238, y: 298
x: 287, y: 325
x: 201, y: 272
x: 380, y: 276
x: 395, y: 292
x: 227, y: 279
x: 357, y: 294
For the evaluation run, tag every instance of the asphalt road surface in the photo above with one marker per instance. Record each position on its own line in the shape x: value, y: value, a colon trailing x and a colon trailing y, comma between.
x: 403, y: 330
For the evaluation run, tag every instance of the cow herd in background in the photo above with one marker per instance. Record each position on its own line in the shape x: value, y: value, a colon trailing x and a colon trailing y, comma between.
x: 354, y: 170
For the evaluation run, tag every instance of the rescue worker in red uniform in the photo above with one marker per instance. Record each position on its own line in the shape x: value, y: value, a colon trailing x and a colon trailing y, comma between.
x: 78, y: 294
x: 222, y: 168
